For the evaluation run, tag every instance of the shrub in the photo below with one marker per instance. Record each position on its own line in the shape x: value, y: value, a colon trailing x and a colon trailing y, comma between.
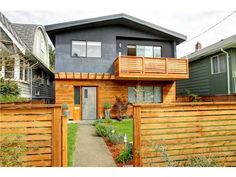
x: 103, y: 130
x: 125, y: 155
x: 101, y: 121
x: 9, y: 88
x: 7, y: 99
x: 121, y: 106
x: 11, y: 149
x: 115, y: 138
x: 201, y: 161
x: 107, y: 105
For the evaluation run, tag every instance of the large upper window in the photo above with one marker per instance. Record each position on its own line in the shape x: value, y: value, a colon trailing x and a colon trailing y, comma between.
x: 86, y: 49
x: 144, y: 51
x: 218, y: 64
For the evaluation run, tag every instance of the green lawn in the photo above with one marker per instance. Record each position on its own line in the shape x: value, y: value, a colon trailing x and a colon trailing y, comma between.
x: 71, y: 139
x: 125, y: 126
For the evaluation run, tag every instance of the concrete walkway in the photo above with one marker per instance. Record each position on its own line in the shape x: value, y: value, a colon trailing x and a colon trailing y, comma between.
x: 91, y: 150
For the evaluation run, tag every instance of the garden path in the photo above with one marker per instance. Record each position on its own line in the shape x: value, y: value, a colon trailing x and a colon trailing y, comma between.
x: 91, y: 150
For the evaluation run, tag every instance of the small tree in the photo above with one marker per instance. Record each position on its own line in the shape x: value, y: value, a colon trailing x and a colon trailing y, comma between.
x: 121, y: 106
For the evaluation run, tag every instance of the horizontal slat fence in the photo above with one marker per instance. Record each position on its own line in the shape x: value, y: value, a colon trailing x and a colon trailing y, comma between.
x: 42, y: 130
x: 184, y: 130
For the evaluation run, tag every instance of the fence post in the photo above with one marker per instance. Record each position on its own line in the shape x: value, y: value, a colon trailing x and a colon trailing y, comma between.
x: 56, y: 137
x: 136, y: 134
x: 64, y: 140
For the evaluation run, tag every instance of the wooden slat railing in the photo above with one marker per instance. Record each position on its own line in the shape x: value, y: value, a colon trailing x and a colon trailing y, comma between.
x: 150, y: 68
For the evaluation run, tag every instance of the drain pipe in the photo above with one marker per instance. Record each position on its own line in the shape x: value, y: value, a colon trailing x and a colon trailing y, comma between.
x: 227, y: 65
x: 31, y: 79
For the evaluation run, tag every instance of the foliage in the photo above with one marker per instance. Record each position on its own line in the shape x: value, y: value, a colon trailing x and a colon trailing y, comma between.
x: 71, y: 137
x: 9, y: 88
x: 121, y: 106
x: 11, y: 149
x: 103, y: 130
x: 192, y: 161
x: 125, y: 155
x: 201, y: 161
x: 115, y: 138
x: 193, y: 97
x: 51, y: 58
x: 8, y: 99
x: 100, y: 121
x: 65, y: 106
x: 107, y: 105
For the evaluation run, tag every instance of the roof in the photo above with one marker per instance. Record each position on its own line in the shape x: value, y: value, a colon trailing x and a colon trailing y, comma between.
x: 24, y: 35
x: 227, y: 43
x: 26, y: 32
x: 122, y: 19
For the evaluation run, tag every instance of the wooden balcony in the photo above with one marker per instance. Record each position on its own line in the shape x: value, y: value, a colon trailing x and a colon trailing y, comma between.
x: 143, y: 68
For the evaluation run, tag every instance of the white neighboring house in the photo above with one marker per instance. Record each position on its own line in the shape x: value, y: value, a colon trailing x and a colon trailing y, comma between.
x: 24, y: 58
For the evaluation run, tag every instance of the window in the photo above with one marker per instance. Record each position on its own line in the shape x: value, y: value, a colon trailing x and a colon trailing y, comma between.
x: 78, y: 48
x: 147, y: 94
x: 21, y: 69
x: 94, y: 49
x: 86, y: 49
x: 76, y: 95
x: 9, y: 68
x: 144, y: 51
x: 85, y: 93
x: 42, y: 77
x: 26, y: 72
x: 218, y: 64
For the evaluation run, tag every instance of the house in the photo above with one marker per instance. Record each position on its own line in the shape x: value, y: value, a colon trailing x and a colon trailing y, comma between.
x: 100, y: 58
x: 212, y: 70
x: 24, y: 55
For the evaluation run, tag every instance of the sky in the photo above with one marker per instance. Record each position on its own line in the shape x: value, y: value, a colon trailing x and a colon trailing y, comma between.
x: 187, y: 17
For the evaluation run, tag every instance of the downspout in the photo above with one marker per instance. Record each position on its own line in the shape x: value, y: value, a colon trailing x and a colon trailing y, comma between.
x: 227, y: 65
x: 31, y: 79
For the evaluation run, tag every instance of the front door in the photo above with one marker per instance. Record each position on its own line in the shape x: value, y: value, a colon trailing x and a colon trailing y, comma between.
x: 89, y: 103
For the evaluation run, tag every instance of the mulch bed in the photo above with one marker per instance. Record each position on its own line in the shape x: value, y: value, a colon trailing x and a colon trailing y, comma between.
x: 115, y: 151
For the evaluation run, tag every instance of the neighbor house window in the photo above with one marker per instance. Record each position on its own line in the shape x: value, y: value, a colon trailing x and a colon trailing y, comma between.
x: 9, y: 68
x: 26, y: 72
x: 146, y: 94
x: 21, y: 69
x: 144, y: 51
x: 76, y: 95
x: 86, y: 49
x: 218, y: 64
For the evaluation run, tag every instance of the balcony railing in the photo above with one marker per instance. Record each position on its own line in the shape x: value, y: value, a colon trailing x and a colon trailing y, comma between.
x: 143, y: 68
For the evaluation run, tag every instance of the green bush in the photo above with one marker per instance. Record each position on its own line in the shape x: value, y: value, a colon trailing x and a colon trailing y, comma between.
x: 115, y: 138
x: 125, y: 155
x: 103, y: 130
x: 107, y: 105
x: 9, y: 88
x: 7, y: 99
x: 201, y: 161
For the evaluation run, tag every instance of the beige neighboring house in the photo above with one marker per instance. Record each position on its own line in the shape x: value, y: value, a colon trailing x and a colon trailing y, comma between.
x: 24, y: 58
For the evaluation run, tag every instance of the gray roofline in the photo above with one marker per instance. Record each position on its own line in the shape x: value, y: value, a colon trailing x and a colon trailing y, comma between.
x: 65, y: 25
x: 214, y: 48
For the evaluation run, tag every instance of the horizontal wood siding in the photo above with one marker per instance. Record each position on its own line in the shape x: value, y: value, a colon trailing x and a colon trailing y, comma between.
x: 199, y: 78
x: 24, y: 89
x: 38, y: 127
x: 185, y: 130
x: 106, y: 90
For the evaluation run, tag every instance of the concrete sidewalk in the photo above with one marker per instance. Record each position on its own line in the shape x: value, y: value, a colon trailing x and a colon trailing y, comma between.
x: 91, y: 150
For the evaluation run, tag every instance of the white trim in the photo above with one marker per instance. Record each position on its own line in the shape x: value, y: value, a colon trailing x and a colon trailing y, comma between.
x: 218, y: 64
x: 21, y: 48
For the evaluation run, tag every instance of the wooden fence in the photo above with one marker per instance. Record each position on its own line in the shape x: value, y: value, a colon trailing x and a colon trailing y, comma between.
x: 185, y: 130
x: 215, y: 98
x: 42, y: 129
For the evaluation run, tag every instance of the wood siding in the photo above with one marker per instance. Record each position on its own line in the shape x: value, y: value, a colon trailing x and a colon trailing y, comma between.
x: 42, y: 129
x: 184, y: 130
x: 106, y: 92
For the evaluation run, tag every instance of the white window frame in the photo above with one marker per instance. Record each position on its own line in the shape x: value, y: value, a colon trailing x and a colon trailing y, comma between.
x: 218, y: 65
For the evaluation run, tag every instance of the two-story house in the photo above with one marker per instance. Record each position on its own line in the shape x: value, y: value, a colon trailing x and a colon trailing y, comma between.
x: 100, y: 58
x: 24, y: 58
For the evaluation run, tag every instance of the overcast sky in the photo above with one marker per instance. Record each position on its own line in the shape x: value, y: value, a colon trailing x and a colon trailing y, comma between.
x: 184, y: 16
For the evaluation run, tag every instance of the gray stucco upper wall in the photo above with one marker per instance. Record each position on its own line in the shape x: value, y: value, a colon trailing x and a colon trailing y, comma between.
x: 108, y: 36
